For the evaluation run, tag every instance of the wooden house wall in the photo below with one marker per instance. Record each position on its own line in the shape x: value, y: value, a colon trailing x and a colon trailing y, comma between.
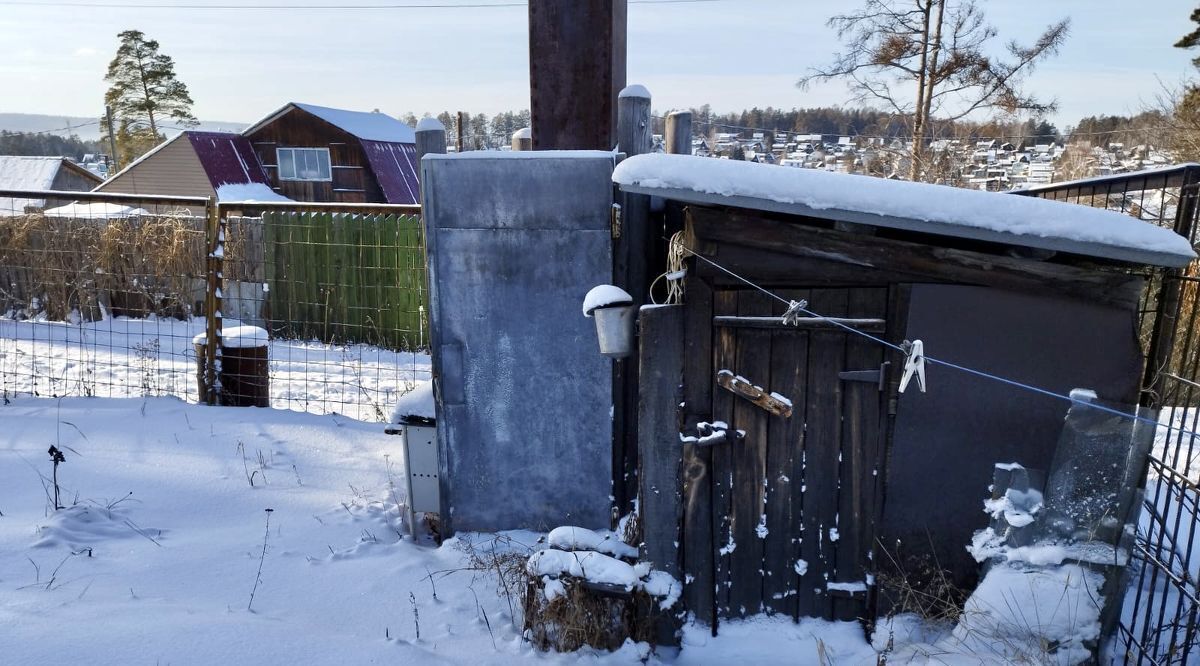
x: 352, y: 181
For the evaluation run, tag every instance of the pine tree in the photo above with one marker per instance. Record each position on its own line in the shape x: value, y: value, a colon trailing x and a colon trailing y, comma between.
x: 143, y: 93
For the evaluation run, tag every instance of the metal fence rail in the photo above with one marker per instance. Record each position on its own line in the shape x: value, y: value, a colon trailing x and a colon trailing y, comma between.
x: 102, y: 294
x: 1158, y: 622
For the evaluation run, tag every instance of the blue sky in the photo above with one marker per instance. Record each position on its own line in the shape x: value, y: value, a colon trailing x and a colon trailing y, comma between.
x: 732, y: 54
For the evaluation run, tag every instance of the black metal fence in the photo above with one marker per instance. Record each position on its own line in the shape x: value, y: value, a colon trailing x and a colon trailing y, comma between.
x: 106, y: 295
x: 1159, y: 616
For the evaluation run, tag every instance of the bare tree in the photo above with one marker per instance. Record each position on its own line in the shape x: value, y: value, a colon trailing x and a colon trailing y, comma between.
x: 940, y: 51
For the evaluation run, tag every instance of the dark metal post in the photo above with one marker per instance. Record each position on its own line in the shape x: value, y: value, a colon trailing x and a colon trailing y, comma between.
x: 214, y: 262
x: 576, y: 69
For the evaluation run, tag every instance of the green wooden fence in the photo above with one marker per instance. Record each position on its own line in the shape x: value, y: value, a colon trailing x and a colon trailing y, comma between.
x: 346, y: 278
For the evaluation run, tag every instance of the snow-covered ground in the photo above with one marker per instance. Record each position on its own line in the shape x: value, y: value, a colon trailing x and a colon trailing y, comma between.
x: 138, y: 357
x: 159, y: 545
x: 154, y: 558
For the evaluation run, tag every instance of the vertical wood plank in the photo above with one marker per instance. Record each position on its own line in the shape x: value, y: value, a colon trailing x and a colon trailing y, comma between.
x: 698, y: 549
x: 821, y: 446
x: 752, y: 360
x: 659, y: 449
x: 789, y: 369
x: 860, y: 436
x: 724, y: 542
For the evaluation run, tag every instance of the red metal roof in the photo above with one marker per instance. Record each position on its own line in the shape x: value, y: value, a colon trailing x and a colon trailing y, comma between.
x: 228, y: 159
x: 395, y: 167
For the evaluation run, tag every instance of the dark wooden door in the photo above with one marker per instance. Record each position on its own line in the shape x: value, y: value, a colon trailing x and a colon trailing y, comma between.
x: 794, y: 498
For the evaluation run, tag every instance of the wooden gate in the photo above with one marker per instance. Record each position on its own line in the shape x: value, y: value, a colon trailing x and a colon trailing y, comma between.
x: 794, y: 496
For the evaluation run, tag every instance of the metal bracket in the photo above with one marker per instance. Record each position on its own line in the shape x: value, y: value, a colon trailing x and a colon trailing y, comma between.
x: 876, y: 377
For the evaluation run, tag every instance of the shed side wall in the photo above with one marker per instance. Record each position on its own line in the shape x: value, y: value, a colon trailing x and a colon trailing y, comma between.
x: 947, y: 439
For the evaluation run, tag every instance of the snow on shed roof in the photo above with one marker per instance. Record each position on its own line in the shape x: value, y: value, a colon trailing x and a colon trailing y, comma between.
x: 371, y: 126
x: 28, y: 172
x: 935, y: 209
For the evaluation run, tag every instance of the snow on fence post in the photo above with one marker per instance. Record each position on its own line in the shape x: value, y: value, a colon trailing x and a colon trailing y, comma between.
x: 522, y: 139
x: 679, y: 133
x: 214, y: 231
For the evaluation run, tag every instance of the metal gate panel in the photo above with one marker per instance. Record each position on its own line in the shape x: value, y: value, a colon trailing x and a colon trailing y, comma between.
x: 523, y: 396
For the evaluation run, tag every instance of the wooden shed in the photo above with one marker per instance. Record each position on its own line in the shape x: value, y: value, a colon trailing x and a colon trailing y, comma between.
x: 801, y: 502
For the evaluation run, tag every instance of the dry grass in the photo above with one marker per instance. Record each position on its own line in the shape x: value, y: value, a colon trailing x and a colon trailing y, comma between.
x: 51, y: 266
x: 585, y: 617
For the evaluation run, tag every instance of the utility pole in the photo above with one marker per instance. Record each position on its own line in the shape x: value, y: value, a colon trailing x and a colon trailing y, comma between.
x: 112, y: 139
x: 460, y: 131
x: 576, y: 70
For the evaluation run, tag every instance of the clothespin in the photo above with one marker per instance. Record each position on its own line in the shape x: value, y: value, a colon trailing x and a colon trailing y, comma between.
x: 794, y: 314
x: 914, y: 364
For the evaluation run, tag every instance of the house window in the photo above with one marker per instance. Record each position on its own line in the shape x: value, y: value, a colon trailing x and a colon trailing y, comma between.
x: 303, y: 164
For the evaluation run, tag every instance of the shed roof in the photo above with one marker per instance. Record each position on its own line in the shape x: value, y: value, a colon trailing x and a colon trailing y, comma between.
x: 920, y: 207
x: 28, y: 172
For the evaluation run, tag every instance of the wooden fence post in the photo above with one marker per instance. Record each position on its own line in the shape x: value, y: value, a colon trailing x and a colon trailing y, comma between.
x: 633, y: 251
x: 522, y: 139
x: 214, y: 263
x: 431, y: 138
x: 679, y: 133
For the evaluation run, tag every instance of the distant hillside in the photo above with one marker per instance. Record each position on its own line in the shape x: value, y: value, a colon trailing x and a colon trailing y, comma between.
x: 88, y: 129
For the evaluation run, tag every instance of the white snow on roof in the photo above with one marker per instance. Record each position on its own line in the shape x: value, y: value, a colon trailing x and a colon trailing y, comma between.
x: 950, y: 211
x: 429, y: 123
x: 248, y: 192
x: 94, y: 211
x: 25, y: 173
x: 523, y: 133
x: 364, y: 125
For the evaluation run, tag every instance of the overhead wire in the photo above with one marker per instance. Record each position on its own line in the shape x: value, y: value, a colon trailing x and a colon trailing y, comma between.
x: 801, y: 307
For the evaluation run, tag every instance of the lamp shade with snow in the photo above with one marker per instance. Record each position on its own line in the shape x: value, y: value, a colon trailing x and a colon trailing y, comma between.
x: 613, y: 310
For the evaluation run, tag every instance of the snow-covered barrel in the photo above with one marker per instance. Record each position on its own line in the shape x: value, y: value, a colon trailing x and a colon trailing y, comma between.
x: 243, y: 370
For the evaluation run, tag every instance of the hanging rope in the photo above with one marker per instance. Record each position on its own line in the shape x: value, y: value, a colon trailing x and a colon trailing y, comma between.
x: 676, y: 271
x: 801, y: 306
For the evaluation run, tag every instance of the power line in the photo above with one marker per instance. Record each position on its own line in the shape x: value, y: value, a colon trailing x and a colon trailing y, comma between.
x: 68, y: 128
x: 391, y: 6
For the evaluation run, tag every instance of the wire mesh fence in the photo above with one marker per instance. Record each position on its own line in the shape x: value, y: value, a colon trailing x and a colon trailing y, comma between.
x: 108, y: 295
x: 1159, y: 617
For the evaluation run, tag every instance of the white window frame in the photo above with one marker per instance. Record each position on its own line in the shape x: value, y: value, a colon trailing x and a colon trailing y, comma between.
x: 303, y: 151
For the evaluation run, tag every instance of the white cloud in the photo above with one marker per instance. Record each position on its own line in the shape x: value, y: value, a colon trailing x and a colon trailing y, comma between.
x: 86, y: 52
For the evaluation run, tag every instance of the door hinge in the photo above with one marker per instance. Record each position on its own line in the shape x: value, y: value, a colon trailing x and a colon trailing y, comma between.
x: 616, y: 220
x: 877, y: 377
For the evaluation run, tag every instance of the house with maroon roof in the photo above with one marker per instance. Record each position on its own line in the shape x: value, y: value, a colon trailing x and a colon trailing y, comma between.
x: 301, y: 152
x: 197, y: 164
x: 315, y: 153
